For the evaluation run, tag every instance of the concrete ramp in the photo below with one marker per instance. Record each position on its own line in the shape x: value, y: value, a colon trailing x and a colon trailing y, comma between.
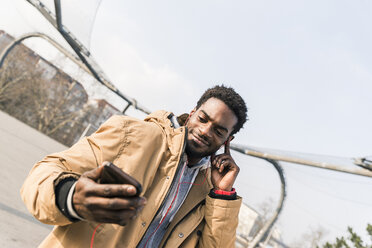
x: 20, y: 148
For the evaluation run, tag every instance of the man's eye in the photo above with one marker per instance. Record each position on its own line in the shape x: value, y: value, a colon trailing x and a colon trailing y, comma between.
x: 201, y: 119
x: 219, y: 133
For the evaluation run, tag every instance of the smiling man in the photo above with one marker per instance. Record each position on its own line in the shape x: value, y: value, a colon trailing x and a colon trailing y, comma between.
x: 188, y: 199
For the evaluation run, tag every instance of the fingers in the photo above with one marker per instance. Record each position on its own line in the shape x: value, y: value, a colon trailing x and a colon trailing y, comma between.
x: 108, y: 203
x: 112, y: 190
x: 224, y: 169
x: 88, y: 184
x: 88, y: 188
x: 114, y: 201
x: 227, y: 145
x: 94, y: 174
x: 94, y: 203
x: 221, y: 162
x: 111, y: 210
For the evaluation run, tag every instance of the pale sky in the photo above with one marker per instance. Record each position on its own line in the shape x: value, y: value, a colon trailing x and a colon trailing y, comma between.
x: 303, y: 67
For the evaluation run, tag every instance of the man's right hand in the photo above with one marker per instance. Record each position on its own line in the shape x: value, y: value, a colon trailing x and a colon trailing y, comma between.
x: 105, y: 203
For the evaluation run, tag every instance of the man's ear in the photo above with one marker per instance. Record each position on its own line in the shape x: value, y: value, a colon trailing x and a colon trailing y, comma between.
x: 191, y: 113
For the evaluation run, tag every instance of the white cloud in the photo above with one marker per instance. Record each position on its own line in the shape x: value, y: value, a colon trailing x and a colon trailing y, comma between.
x: 154, y: 86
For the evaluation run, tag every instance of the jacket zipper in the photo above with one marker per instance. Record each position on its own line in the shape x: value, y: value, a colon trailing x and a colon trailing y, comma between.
x: 173, y: 182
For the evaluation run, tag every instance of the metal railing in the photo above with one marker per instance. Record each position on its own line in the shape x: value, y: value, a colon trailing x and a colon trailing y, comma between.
x: 83, y: 53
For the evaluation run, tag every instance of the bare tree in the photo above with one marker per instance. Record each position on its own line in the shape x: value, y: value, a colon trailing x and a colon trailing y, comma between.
x: 312, y: 238
x: 52, y: 110
x: 12, y: 73
x: 265, y: 208
x: 39, y: 94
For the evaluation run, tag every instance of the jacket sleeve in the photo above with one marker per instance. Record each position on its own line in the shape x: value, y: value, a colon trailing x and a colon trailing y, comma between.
x: 37, y: 191
x: 221, y: 221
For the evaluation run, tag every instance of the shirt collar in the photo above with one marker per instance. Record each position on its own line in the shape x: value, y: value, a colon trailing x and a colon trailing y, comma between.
x: 204, y: 163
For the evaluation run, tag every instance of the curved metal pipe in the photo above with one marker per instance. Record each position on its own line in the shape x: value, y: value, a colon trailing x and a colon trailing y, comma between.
x: 15, y: 42
x: 262, y: 234
x: 82, y: 52
x: 265, y: 230
x: 76, y: 60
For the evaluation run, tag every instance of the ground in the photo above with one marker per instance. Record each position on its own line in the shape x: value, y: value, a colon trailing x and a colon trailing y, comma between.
x: 20, y: 147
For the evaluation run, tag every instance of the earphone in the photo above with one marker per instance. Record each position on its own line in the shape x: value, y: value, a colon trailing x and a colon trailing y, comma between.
x: 174, y: 198
x: 188, y: 117
x: 169, y: 208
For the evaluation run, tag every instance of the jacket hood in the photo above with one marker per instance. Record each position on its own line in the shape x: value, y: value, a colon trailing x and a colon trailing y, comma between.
x: 161, y: 117
x: 175, y: 136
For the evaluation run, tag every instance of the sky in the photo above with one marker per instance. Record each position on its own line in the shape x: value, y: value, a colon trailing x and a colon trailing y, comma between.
x: 303, y: 68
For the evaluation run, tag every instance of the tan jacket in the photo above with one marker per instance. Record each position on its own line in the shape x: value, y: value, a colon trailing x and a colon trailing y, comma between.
x: 150, y: 151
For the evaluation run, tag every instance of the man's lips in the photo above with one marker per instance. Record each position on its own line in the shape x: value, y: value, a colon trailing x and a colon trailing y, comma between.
x: 199, y: 141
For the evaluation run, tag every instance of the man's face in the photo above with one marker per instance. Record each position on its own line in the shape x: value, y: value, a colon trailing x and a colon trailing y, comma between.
x: 209, y: 127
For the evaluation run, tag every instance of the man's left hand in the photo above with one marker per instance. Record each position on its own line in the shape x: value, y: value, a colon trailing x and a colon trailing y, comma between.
x: 224, y: 169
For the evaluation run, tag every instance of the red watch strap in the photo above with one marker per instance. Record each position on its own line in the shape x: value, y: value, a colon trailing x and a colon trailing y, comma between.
x: 222, y: 192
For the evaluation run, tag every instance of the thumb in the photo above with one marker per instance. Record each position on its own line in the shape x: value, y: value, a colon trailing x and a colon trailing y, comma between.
x: 95, y: 174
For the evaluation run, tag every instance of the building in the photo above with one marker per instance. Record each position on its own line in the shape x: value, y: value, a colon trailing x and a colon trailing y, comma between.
x: 250, y: 223
x: 46, y: 98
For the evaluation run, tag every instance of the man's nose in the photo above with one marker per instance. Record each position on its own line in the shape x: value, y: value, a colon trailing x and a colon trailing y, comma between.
x: 205, y: 130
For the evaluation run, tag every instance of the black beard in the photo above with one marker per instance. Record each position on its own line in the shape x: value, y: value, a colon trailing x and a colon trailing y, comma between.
x: 195, y: 154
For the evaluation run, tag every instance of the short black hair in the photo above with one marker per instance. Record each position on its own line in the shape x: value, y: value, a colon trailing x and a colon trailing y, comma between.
x: 232, y: 99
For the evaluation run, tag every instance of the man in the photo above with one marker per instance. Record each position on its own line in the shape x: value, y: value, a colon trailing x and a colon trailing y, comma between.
x: 188, y: 199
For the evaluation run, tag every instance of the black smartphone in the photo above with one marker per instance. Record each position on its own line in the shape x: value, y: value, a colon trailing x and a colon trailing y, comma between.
x: 112, y: 174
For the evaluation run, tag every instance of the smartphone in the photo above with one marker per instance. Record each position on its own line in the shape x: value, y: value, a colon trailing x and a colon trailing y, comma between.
x: 112, y: 174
